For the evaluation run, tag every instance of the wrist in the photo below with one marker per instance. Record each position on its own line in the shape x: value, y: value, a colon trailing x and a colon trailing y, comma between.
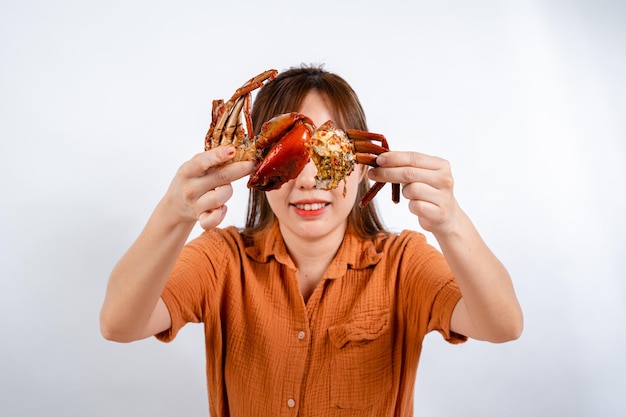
x: 171, y: 217
x: 455, y: 226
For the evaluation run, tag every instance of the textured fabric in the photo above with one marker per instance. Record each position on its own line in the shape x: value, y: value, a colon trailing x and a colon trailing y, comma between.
x: 351, y: 350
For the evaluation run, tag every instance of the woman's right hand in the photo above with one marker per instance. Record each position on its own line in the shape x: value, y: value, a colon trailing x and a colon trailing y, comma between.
x: 132, y: 308
x: 202, y: 186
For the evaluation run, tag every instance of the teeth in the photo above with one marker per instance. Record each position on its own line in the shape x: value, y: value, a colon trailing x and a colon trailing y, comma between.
x: 314, y: 206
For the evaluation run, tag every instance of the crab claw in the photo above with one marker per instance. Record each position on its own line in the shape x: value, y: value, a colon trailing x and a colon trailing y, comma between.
x: 283, y: 148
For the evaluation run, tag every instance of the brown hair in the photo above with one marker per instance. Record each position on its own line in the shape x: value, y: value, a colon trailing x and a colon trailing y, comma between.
x: 285, y: 94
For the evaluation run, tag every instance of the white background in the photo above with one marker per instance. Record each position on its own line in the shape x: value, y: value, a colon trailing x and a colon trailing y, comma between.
x: 100, y: 102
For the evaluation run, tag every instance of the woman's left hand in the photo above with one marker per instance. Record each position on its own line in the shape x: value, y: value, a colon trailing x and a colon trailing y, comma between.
x: 426, y: 182
x: 489, y: 309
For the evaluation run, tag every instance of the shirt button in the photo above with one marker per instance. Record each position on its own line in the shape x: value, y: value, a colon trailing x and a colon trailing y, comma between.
x: 291, y: 403
x: 301, y: 335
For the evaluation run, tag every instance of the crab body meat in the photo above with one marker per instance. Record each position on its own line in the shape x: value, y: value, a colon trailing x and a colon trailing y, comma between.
x: 335, y: 152
x: 333, y: 155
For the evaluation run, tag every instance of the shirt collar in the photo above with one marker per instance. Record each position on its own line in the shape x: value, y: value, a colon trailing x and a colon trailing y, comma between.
x: 354, y: 252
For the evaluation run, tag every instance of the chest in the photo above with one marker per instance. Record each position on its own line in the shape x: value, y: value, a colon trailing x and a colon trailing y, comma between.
x: 345, y: 335
x: 308, y: 280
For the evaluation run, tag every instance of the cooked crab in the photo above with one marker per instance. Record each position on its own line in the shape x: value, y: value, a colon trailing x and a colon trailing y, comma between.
x: 288, y: 141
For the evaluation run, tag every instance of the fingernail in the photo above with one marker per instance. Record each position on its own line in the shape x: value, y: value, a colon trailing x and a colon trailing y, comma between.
x: 381, y: 160
x: 230, y: 151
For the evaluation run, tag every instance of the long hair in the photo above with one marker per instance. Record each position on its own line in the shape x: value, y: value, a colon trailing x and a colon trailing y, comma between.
x: 285, y: 94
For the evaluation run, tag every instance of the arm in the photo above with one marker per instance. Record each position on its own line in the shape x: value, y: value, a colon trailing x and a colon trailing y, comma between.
x: 132, y: 307
x: 488, y: 309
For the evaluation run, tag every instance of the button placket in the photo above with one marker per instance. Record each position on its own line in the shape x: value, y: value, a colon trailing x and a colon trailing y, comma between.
x: 298, y: 348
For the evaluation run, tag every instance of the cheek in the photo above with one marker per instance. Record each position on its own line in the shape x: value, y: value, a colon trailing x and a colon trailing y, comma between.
x: 278, y: 200
x: 360, y: 172
x: 357, y: 175
x: 274, y: 197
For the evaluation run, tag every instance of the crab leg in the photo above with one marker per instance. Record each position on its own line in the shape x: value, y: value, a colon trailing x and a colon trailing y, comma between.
x: 369, y: 196
x: 232, y: 123
x: 366, y: 153
x: 248, y: 116
x: 227, y: 115
x: 221, y: 113
x: 254, y: 83
x: 361, y: 135
x: 371, y: 193
x: 395, y: 192
x: 216, y: 112
x: 241, y: 99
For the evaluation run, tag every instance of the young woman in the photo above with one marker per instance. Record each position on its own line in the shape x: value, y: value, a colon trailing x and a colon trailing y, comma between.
x: 313, y: 309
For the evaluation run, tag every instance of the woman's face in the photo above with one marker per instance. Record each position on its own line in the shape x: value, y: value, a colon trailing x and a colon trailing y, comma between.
x: 302, y: 209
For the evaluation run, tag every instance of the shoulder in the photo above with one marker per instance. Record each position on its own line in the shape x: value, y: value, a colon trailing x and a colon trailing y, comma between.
x: 219, y: 236
x: 414, y: 257
x: 215, y: 246
x: 400, y: 243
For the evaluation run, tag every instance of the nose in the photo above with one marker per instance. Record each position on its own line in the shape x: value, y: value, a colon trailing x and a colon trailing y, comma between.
x: 306, y: 178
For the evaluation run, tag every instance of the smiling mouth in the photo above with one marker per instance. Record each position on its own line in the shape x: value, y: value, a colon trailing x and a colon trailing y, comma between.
x: 311, y: 206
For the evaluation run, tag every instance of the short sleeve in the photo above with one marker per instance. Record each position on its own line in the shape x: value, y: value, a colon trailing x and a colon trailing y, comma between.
x: 430, y: 292
x: 443, y: 307
x: 192, y: 283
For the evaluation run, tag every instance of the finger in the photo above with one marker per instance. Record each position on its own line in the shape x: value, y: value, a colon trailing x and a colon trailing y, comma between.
x: 429, y: 214
x: 410, y: 159
x: 427, y: 194
x: 211, y: 219
x: 226, y: 174
x: 213, y: 199
x: 200, y: 163
x: 194, y: 188
x: 407, y: 175
x: 433, y: 207
x: 218, y: 177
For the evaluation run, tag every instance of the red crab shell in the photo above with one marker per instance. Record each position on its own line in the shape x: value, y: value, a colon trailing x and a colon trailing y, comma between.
x: 283, y: 149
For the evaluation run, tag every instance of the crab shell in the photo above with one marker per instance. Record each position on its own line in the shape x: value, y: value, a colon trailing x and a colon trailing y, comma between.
x: 283, y: 149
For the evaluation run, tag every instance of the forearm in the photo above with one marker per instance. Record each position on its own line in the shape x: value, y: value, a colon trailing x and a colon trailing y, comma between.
x: 489, y: 301
x: 488, y: 309
x: 138, y: 279
x: 198, y: 193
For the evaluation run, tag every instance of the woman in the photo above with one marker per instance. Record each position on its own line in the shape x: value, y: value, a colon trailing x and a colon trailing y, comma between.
x: 312, y: 309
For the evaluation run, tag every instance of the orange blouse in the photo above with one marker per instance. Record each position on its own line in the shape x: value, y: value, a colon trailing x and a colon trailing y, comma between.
x: 351, y: 350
